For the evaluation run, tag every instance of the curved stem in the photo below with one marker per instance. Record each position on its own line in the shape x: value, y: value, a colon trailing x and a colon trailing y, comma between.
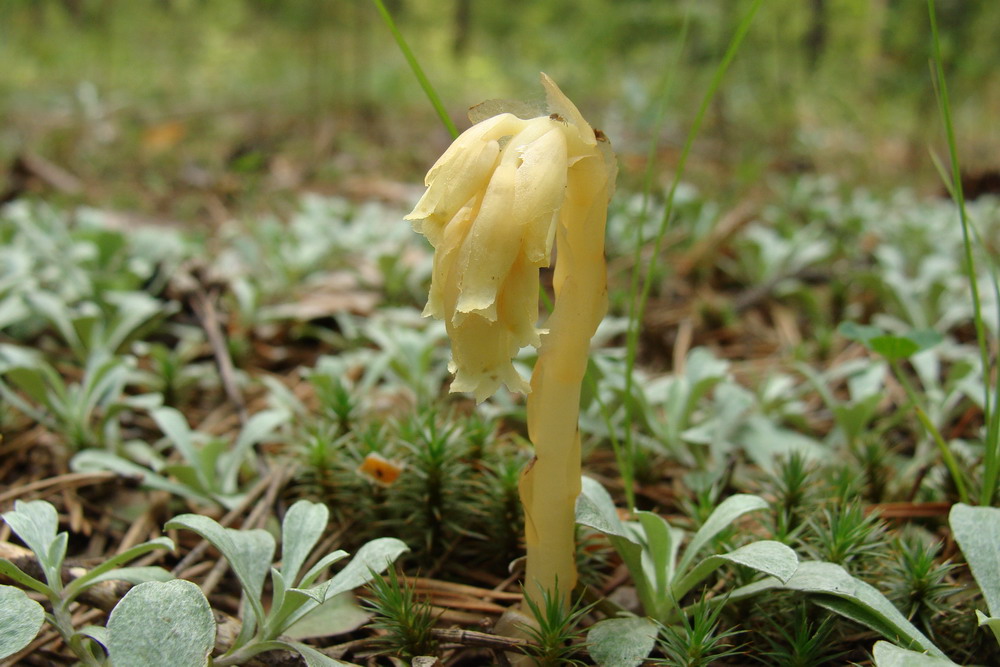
x: 551, y: 483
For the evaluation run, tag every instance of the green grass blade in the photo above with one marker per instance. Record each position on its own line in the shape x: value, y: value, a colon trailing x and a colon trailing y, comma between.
x: 625, y: 452
x: 640, y: 291
x: 991, y: 470
x: 417, y: 70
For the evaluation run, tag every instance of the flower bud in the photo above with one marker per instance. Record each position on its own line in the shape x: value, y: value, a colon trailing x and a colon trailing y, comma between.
x: 491, y: 210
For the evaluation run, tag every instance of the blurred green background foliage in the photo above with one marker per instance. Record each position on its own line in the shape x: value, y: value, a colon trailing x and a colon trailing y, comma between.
x: 139, y: 97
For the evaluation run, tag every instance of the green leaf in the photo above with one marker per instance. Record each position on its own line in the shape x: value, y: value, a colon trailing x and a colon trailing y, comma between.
x: 728, y: 511
x: 36, y: 523
x: 257, y: 428
x: 20, y: 620
x: 890, y: 655
x: 832, y: 587
x: 174, y: 425
x: 57, y: 313
x: 596, y: 509
x: 621, y: 642
x: 95, y: 459
x: 301, y: 529
x: 992, y: 623
x: 977, y: 531
x: 11, y: 571
x: 97, y: 633
x: 924, y: 338
x: 766, y: 556
x: 312, y: 657
x: 86, y: 580
x: 132, y: 311
x: 661, y: 547
x: 32, y: 381
x: 161, y: 623
x: 326, y: 561
x: 371, y: 559
x: 249, y: 553
x: 861, y: 333
x: 893, y: 348
x: 134, y: 575
x: 338, y: 615
x: 764, y: 442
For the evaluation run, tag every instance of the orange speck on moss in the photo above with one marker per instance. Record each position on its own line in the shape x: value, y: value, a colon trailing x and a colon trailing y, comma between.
x: 380, y: 469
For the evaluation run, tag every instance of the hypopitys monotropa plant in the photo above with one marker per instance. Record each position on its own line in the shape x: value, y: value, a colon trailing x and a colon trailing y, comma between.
x: 506, y: 191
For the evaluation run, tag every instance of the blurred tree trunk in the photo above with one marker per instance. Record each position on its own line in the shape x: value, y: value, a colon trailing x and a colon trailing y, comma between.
x: 463, y: 26
x: 74, y: 8
x: 815, y: 38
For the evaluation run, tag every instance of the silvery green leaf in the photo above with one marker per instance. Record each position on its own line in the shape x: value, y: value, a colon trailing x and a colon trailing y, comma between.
x: 257, y: 428
x: 660, y: 550
x: 161, y: 623
x: 14, y: 573
x: 40, y: 383
x: 312, y: 657
x: 12, y: 310
x: 371, y: 559
x: 867, y: 382
x: 133, y: 575
x: 36, y: 523
x: 249, y: 553
x: 621, y: 642
x: 890, y: 655
x: 97, y: 633
x: 833, y: 588
x: 727, y: 512
x: 101, y: 572
x: 338, y: 615
x: 52, y: 562
x: 57, y: 313
x: 766, y: 556
x: 301, y: 529
x: 133, y: 311
x: 977, y: 531
x: 95, y: 459
x: 326, y: 561
x: 992, y: 623
x: 596, y: 509
x: 764, y: 441
x: 175, y: 426
x: 20, y: 620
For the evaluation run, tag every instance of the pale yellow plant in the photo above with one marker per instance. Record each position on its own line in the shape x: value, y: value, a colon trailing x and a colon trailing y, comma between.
x: 506, y: 191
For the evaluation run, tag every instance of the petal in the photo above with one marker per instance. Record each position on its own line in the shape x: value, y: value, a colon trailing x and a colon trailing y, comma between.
x: 490, y: 247
x: 455, y: 185
x: 445, y: 257
x: 463, y: 171
x: 491, y: 129
x: 539, y: 191
x: 517, y: 306
x: 560, y: 104
x: 482, y: 353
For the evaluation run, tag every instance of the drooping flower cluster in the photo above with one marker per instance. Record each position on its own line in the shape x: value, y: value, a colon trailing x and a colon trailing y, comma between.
x: 491, y: 210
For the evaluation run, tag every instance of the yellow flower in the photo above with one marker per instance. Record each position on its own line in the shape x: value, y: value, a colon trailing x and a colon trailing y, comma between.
x: 492, y: 208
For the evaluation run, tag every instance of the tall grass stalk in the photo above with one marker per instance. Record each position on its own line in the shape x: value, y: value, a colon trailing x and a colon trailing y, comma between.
x: 932, y: 430
x: 418, y: 71
x: 991, y: 411
x: 639, y: 291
